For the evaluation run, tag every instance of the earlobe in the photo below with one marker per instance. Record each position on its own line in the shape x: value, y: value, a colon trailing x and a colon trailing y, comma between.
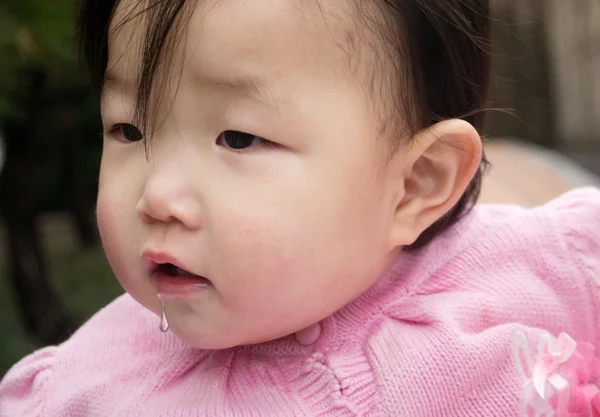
x: 440, y: 164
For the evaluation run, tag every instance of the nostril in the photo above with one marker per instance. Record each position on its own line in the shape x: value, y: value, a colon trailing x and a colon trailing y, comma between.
x: 143, y: 214
x: 153, y: 213
x: 170, y: 203
x: 141, y: 211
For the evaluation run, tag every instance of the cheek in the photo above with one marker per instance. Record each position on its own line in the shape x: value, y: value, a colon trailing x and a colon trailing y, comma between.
x: 119, y: 190
x: 110, y: 226
x: 302, y: 250
x: 107, y: 221
x: 118, y: 232
x: 256, y: 250
x: 269, y: 271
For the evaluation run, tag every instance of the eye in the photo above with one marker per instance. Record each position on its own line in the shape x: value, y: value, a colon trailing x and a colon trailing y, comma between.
x: 126, y: 132
x: 232, y: 139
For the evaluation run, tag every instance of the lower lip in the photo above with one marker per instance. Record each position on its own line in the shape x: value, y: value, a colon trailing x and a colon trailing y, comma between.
x: 170, y: 285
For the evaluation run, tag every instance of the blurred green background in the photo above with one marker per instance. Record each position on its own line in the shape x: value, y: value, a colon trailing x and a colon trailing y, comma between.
x: 53, y: 274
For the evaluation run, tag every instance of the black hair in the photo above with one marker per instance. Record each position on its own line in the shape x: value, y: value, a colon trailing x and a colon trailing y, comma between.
x: 442, y: 45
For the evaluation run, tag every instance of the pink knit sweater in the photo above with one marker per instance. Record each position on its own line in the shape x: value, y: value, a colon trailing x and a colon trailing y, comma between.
x: 433, y: 337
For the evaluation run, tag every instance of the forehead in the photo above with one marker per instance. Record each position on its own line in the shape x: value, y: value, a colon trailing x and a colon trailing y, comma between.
x: 222, y: 39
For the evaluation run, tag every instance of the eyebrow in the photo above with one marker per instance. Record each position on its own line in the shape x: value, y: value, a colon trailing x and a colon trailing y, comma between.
x: 112, y: 82
x: 255, y: 88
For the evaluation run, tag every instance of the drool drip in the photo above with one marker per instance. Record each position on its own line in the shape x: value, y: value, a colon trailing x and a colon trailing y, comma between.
x: 164, y: 324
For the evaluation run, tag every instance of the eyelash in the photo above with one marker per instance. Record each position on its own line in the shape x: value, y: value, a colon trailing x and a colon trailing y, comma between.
x: 114, y: 130
x: 221, y: 140
x: 263, y: 143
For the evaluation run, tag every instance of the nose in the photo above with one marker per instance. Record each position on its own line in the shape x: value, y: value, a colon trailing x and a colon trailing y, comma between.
x: 170, y: 197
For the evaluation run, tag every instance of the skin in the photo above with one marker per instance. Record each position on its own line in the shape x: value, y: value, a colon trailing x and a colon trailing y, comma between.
x: 287, y: 233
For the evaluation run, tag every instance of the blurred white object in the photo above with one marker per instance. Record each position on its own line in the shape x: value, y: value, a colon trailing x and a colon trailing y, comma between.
x: 530, y: 175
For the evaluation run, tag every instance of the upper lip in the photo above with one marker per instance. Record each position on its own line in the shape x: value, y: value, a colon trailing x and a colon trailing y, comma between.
x: 154, y: 258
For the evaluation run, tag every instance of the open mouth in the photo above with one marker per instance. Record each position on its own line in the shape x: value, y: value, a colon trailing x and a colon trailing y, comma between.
x: 170, y: 279
x: 171, y: 270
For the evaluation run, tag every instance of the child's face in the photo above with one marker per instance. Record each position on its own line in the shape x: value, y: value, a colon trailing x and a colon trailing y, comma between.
x: 286, y: 234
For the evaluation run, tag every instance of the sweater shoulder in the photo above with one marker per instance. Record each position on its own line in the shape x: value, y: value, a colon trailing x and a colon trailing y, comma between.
x: 90, y: 371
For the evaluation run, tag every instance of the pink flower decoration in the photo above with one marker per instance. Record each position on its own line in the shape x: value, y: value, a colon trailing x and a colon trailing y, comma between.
x: 545, y: 370
x: 560, y: 380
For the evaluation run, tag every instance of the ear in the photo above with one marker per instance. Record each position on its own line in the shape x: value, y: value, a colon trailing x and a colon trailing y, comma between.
x: 438, y: 165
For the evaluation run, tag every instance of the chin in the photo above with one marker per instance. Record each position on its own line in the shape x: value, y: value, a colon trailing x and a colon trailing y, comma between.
x: 214, y: 343
x: 206, y: 343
